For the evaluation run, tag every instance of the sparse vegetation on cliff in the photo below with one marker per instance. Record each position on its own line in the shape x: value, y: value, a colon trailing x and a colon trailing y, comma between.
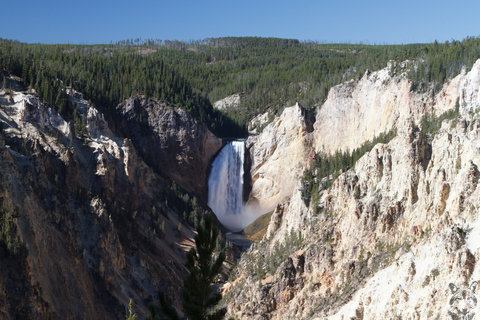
x: 324, y: 169
x: 9, y: 239
x: 431, y: 123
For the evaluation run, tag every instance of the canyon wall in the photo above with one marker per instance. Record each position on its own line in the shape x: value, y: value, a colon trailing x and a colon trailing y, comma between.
x: 87, y: 224
x: 396, y: 236
x: 354, y: 112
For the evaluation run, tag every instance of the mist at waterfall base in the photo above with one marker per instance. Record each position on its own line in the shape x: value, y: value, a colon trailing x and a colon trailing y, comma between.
x: 225, y: 188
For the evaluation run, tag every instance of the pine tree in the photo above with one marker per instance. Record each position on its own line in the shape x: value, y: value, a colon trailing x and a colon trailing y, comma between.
x: 131, y: 315
x: 204, y: 267
x: 197, y: 293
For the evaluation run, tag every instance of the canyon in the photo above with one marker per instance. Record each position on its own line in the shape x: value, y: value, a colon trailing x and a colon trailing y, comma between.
x: 385, y: 241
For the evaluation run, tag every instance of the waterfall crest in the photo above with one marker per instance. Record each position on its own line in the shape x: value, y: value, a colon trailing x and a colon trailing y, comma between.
x: 225, y: 185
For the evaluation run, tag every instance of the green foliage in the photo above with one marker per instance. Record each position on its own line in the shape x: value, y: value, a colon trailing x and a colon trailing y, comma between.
x: 267, y: 73
x: 271, y: 73
x: 324, y: 169
x: 131, y: 315
x: 282, y: 251
x: 8, y: 237
x: 162, y: 227
x: 168, y: 310
x: 107, y: 75
x: 204, y: 266
x: 79, y: 124
x: 181, y: 201
x: 195, y: 213
x: 439, y: 62
x: 431, y: 124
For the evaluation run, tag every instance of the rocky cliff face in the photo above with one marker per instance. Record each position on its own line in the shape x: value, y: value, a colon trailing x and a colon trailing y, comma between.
x: 172, y: 142
x: 81, y: 218
x: 355, y: 112
x: 396, y: 237
x: 278, y: 156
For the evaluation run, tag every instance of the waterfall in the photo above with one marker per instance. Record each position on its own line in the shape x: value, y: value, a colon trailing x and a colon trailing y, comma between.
x: 225, y: 186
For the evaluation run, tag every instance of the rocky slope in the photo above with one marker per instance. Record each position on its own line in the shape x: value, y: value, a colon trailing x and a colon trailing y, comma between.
x: 228, y: 102
x: 395, y: 236
x: 86, y: 223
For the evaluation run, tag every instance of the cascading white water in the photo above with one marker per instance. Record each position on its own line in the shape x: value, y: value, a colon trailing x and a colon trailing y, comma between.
x: 225, y: 185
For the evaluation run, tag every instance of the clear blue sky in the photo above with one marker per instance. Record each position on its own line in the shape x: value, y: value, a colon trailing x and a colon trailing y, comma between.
x: 101, y: 21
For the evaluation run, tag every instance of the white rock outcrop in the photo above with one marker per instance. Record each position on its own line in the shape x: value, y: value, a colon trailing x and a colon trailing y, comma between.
x: 225, y: 103
x: 278, y: 156
x: 96, y: 124
x: 353, y: 113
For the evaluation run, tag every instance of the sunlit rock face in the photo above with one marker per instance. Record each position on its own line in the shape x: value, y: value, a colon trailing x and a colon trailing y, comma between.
x: 278, y: 156
x: 397, y: 235
x: 355, y: 112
